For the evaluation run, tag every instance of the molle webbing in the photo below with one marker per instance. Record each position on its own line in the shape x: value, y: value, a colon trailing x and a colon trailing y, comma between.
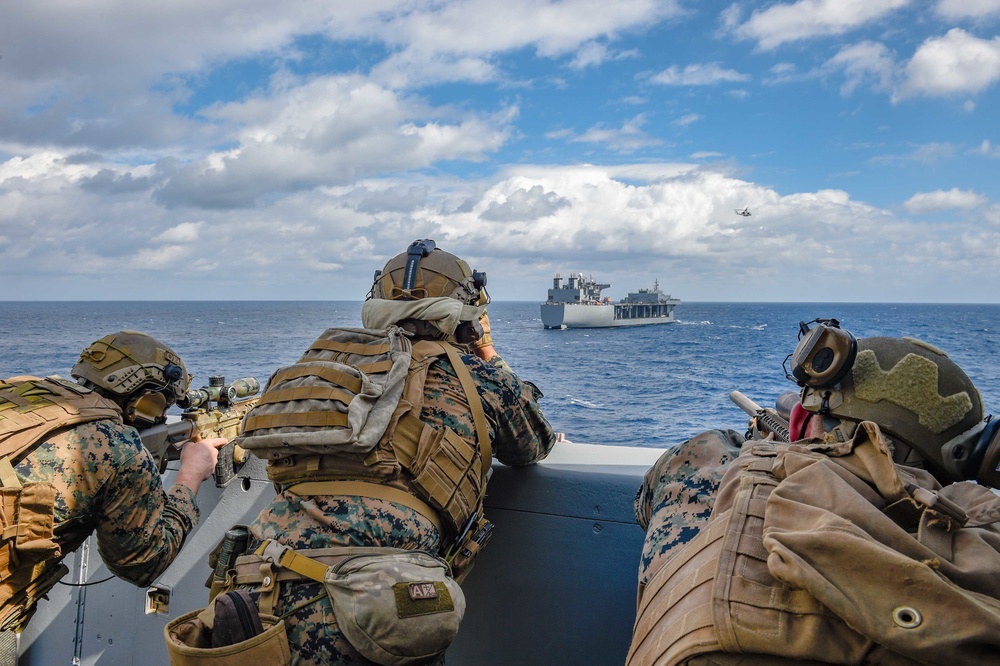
x: 31, y: 408
x: 674, y: 617
x: 448, y: 470
x: 338, y: 398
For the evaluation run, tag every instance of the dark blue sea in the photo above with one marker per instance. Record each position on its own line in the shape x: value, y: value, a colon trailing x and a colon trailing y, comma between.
x: 642, y: 386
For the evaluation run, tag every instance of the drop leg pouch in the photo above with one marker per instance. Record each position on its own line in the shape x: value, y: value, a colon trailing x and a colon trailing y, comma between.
x: 396, y: 609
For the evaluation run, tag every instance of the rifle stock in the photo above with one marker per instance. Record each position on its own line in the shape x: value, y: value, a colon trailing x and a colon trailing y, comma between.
x: 220, y: 416
x: 763, y: 421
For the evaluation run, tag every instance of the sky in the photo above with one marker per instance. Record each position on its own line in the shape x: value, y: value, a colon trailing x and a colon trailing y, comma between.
x: 252, y: 149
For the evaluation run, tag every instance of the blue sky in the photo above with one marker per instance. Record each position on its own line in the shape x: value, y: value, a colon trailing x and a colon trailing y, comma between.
x: 261, y: 150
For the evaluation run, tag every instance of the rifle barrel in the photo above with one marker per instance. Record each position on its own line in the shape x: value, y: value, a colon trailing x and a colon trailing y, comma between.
x: 744, y: 403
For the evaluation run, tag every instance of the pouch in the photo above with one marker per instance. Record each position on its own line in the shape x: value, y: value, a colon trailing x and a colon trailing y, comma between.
x: 236, y: 619
x: 396, y: 609
x: 189, y: 643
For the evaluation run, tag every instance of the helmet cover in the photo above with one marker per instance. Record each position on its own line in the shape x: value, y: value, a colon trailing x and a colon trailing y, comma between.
x: 425, y: 271
x: 914, y: 392
x: 128, y: 363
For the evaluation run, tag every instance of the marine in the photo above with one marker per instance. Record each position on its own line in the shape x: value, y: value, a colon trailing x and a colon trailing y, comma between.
x: 871, y: 537
x: 72, y: 465
x: 417, y: 492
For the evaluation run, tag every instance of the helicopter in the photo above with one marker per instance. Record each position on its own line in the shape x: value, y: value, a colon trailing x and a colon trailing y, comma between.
x: 745, y: 212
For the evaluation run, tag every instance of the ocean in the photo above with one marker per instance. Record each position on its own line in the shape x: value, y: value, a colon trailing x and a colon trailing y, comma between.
x: 651, y: 386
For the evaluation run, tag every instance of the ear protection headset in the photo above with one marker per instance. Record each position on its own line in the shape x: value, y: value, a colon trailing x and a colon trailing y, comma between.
x: 824, y: 355
x: 147, y: 408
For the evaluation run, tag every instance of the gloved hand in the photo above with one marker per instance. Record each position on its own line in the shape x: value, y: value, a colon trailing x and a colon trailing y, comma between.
x: 483, y: 347
x: 485, y: 340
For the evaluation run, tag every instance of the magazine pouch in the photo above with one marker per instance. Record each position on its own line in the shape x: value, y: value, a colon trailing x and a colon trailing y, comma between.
x: 396, y: 609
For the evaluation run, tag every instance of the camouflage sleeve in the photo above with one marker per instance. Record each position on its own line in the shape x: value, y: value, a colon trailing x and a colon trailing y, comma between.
x: 141, y: 528
x: 678, y: 492
x: 523, y: 435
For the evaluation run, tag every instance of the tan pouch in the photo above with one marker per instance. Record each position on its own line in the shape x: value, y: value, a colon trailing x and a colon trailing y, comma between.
x: 189, y: 643
x: 396, y: 609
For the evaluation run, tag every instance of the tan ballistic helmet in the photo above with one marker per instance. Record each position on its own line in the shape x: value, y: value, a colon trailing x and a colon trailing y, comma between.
x: 424, y: 271
x: 137, y: 371
x: 915, y: 393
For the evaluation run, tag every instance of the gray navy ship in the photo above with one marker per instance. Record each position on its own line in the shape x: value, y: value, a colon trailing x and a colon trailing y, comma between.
x: 578, y: 304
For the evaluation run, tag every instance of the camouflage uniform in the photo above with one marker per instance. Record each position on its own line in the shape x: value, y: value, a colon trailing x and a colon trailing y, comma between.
x: 520, y: 435
x: 678, y: 492
x: 107, y: 483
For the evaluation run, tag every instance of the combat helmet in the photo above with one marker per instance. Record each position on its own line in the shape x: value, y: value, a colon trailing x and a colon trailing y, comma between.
x: 135, y: 370
x: 426, y: 271
x: 915, y: 393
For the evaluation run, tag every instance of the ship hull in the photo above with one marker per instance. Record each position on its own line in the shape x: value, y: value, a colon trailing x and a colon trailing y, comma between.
x: 579, y: 315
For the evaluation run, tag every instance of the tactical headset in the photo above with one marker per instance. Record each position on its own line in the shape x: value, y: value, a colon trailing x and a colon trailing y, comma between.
x: 825, y: 354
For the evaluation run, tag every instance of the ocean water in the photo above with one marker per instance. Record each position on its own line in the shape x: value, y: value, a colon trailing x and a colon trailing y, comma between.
x: 648, y: 386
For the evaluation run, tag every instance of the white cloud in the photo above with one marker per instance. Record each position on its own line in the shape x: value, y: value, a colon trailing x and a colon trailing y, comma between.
x: 928, y: 153
x: 699, y: 74
x: 987, y: 149
x: 955, y: 64
x: 303, y: 134
x: 782, y: 23
x: 929, y: 202
x: 967, y: 9
x: 625, y: 139
x: 185, y: 232
x: 675, y: 218
x: 862, y: 62
x: 110, y: 74
x: 687, y: 119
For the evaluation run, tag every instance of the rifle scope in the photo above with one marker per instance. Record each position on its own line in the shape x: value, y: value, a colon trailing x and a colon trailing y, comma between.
x: 219, y: 392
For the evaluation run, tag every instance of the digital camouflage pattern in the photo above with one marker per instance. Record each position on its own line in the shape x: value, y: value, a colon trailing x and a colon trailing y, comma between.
x: 678, y: 493
x: 520, y: 435
x: 107, y: 483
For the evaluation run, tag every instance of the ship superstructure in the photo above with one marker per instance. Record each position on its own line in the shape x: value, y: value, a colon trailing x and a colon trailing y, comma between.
x: 577, y: 303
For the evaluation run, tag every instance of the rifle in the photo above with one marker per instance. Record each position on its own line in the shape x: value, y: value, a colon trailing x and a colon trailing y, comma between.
x: 764, y: 421
x: 216, y: 410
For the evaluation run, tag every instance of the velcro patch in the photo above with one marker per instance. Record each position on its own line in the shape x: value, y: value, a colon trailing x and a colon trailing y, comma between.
x: 422, y: 598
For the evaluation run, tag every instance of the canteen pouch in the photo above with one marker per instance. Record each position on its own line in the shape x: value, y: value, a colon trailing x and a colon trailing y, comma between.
x: 192, y: 639
x: 396, y: 609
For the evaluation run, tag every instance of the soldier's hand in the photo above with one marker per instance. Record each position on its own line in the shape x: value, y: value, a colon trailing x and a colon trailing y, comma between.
x: 198, y: 459
x: 483, y: 347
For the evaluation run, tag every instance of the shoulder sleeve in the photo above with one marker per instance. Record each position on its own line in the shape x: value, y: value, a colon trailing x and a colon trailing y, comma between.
x: 523, y: 435
x: 141, y: 528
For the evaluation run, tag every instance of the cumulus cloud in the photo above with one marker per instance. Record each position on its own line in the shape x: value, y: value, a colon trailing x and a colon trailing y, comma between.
x: 861, y: 63
x: 967, y: 9
x: 324, y: 131
x: 929, y: 202
x: 698, y: 74
x: 956, y: 64
x: 524, y: 205
x: 788, y: 22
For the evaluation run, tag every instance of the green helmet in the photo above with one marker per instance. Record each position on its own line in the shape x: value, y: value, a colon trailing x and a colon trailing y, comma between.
x: 137, y: 371
x: 424, y: 271
x: 913, y: 391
